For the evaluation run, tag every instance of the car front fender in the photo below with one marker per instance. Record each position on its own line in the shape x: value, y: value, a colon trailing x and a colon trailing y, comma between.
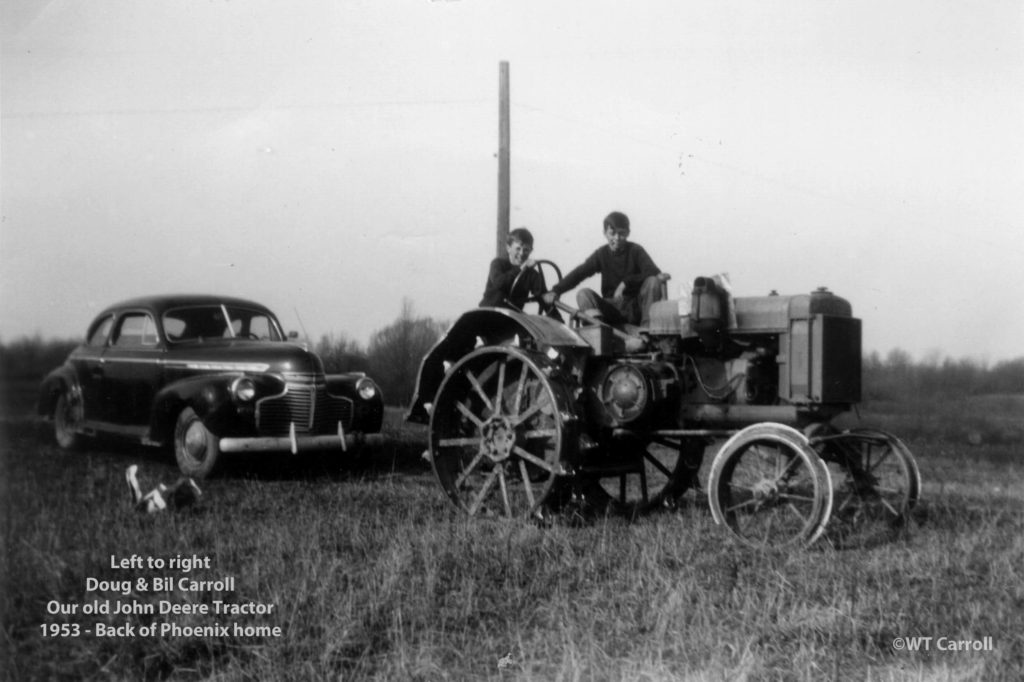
x: 369, y: 414
x: 209, y: 395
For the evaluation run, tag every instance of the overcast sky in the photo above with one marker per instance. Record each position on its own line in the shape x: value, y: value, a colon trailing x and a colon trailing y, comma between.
x: 330, y: 157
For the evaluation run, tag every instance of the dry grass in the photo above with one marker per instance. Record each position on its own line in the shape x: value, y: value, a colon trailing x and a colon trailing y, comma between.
x: 374, y: 577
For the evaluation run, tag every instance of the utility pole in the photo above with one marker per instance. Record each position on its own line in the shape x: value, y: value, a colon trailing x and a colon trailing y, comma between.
x: 504, y: 135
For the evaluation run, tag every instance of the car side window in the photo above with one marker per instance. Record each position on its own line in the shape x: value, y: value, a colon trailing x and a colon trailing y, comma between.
x: 135, y: 330
x: 99, y: 333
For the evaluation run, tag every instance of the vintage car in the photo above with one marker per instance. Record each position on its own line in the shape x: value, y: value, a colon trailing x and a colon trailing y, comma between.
x: 210, y: 375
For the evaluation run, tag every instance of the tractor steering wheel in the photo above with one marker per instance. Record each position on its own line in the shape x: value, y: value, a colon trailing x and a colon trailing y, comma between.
x: 542, y: 309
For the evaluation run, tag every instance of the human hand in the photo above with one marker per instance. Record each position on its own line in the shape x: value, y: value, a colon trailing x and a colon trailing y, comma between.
x: 549, y: 297
x: 619, y: 291
x: 664, y: 276
x: 528, y: 263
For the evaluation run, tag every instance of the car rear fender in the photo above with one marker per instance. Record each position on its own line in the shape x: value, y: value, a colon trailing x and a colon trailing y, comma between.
x: 55, y: 383
x: 487, y: 327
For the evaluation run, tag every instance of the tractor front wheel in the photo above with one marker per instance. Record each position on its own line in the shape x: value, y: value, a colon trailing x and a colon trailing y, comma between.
x: 770, y: 488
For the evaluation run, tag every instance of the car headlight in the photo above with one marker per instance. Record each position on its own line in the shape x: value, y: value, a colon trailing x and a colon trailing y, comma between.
x: 367, y: 389
x: 243, y: 389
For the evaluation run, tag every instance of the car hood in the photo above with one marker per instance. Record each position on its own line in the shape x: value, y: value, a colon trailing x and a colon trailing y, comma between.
x: 247, y: 356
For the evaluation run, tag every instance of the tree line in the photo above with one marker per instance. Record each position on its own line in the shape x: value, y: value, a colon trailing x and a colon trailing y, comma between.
x: 897, y: 376
x: 393, y: 355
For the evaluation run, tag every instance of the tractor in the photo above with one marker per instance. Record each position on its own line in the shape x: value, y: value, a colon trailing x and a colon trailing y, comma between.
x: 527, y: 410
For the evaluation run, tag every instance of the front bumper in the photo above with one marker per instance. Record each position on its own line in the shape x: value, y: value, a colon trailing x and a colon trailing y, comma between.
x: 303, y: 442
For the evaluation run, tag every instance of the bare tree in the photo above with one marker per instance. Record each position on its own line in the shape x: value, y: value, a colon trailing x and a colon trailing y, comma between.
x: 341, y: 354
x: 396, y: 350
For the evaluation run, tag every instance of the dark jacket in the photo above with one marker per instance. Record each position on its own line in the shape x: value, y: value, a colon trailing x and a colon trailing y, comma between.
x: 631, y: 265
x: 498, y: 291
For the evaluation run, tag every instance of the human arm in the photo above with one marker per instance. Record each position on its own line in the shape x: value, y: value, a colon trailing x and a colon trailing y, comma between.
x: 500, y: 277
x: 590, y: 267
x: 619, y: 292
x: 501, y: 274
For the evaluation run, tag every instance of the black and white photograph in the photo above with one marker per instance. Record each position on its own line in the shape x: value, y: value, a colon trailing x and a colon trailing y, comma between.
x: 492, y: 340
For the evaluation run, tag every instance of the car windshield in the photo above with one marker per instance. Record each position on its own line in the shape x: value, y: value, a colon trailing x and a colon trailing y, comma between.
x: 202, y: 322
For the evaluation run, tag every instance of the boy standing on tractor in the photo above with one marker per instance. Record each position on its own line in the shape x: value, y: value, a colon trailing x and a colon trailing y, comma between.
x: 630, y: 281
x: 512, y: 281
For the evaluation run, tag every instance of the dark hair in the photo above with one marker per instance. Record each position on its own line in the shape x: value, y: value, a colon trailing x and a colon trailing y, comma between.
x: 617, y: 220
x: 520, y: 234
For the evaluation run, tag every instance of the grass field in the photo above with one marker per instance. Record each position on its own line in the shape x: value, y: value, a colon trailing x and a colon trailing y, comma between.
x: 371, y: 575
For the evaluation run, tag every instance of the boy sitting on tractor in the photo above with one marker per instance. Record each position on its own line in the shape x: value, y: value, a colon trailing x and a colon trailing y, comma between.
x: 630, y: 281
x: 512, y: 281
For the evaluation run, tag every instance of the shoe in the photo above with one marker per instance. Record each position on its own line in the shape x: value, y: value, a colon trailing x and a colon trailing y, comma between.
x: 636, y: 344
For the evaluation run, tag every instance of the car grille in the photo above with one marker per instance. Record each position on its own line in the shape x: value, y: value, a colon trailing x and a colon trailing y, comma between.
x: 308, y: 405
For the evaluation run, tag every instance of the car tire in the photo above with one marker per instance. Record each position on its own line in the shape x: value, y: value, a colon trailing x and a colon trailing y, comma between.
x: 195, y: 447
x: 67, y: 417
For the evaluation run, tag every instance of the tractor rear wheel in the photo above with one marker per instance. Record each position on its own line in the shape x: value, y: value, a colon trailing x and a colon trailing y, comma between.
x: 770, y: 488
x: 641, y: 476
x: 501, y: 432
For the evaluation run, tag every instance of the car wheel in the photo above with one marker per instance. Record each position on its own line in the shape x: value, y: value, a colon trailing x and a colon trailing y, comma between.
x: 196, y: 449
x: 67, y: 418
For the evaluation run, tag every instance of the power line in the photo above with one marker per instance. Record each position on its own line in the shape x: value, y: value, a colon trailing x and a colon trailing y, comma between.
x: 238, y: 109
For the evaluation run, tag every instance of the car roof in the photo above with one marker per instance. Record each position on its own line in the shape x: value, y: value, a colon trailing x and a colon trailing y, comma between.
x: 162, y: 302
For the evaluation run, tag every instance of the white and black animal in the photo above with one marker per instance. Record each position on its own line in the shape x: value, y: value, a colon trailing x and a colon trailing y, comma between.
x: 183, y: 493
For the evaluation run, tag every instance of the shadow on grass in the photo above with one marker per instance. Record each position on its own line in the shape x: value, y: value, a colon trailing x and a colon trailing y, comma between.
x: 401, y: 453
x: 951, y: 514
x: 393, y: 457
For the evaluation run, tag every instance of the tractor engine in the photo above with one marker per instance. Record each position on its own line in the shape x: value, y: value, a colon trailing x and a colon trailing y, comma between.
x: 791, y: 359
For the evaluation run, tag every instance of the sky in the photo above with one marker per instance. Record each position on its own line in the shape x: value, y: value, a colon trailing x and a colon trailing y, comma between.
x: 331, y: 158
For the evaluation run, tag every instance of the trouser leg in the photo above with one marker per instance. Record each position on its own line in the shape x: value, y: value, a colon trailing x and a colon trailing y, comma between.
x: 650, y: 292
x: 588, y: 299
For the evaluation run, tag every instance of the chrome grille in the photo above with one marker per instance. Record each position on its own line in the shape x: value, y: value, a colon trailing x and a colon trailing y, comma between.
x: 308, y: 405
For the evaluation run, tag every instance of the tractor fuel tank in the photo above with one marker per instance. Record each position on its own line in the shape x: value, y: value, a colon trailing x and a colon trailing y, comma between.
x: 774, y: 312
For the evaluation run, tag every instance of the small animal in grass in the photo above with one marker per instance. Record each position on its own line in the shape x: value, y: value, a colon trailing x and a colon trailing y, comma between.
x: 183, y: 493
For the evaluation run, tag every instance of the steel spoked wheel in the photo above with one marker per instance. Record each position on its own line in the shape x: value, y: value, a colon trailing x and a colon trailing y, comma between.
x: 770, y: 488
x: 196, y: 449
x: 68, y: 416
x: 498, y: 432
x: 644, y: 476
x: 877, y: 477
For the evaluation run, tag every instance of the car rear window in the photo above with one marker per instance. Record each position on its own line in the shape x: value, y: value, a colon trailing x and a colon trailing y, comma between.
x: 100, y: 331
x: 135, y: 329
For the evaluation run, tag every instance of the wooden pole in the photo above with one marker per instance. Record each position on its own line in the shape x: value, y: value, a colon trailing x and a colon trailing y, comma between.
x: 504, y: 135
